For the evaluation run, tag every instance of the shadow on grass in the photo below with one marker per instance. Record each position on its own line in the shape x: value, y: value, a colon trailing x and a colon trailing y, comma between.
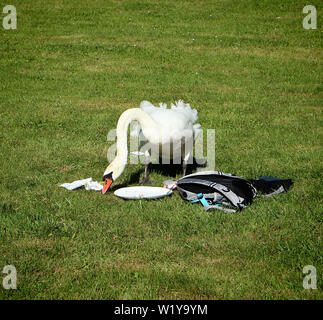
x: 172, y: 170
x: 134, y: 179
x: 167, y: 170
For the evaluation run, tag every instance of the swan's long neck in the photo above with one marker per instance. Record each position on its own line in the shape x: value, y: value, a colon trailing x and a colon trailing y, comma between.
x: 146, y: 122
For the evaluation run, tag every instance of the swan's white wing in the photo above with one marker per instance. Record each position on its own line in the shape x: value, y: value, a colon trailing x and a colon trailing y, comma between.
x: 175, y: 123
x: 147, y: 106
x: 185, y: 109
x: 180, y: 108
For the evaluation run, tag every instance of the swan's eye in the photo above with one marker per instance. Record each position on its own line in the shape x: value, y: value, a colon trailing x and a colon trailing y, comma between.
x: 108, y: 175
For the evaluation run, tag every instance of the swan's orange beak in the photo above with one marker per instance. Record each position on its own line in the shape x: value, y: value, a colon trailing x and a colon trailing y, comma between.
x: 107, y: 184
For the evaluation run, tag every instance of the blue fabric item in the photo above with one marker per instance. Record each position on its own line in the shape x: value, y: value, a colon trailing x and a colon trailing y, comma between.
x: 201, y: 198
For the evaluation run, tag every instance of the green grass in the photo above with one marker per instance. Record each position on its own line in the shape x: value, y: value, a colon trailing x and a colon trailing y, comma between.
x: 67, y: 73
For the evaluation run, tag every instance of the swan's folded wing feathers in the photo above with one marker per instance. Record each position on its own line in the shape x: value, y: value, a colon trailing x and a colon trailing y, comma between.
x: 185, y: 108
x: 147, y: 106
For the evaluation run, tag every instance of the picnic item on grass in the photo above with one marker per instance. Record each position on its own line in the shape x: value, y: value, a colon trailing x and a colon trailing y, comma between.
x: 227, y: 192
x: 141, y: 192
x: 88, y: 183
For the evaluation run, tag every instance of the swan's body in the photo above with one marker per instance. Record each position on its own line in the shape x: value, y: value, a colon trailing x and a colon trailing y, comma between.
x: 166, y: 130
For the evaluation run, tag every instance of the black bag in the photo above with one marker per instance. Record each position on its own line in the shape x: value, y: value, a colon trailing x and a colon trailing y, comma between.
x: 227, y: 192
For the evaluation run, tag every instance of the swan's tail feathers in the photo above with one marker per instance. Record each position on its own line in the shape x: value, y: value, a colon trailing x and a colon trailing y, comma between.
x: 196, y: 130
x: 186, y: 109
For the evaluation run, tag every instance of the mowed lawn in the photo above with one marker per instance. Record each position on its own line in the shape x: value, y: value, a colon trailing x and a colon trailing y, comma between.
x: 68, y: 72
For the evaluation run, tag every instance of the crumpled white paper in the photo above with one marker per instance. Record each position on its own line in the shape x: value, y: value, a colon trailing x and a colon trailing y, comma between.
x: 88, y: 183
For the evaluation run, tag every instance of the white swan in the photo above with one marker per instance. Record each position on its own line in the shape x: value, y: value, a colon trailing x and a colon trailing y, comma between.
x: 170, y: 133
